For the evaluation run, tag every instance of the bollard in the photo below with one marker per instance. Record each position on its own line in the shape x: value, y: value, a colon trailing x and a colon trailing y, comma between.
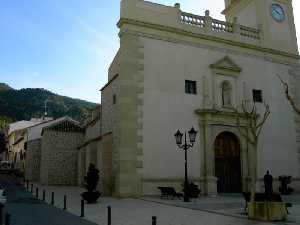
x: 82, y: 209
x: 52, y: 198
x: 153, y: 220
x: 37, y: 192
x: 7, y: 219
x: 108, y: 215
x: 1, y: 214
x: 31, y: 188
x: 65, y: 202
x: 44, y: 195
x: 27, y: 185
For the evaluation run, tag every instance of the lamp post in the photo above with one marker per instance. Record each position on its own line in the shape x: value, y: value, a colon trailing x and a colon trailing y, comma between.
x: 185, y: 146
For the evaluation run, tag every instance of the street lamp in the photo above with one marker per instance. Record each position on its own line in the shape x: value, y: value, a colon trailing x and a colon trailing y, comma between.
x: 178, y: 137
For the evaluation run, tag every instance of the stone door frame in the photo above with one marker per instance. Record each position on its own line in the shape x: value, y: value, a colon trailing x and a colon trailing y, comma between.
x: 211, y: 124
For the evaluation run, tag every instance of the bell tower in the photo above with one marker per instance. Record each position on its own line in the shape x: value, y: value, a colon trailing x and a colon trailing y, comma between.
x: 275, y: 19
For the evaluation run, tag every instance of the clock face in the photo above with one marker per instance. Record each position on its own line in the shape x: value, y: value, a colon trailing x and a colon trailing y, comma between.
x: 277, y: 12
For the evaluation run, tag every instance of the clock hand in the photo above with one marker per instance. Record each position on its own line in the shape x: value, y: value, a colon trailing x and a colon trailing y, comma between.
x: 278, y: 12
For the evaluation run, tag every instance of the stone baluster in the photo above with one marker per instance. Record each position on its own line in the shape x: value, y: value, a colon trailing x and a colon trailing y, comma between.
x: 208, y: 22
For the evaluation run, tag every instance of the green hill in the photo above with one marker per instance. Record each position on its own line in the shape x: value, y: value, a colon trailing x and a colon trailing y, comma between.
x: 27, y: 103
x: 5, y: 87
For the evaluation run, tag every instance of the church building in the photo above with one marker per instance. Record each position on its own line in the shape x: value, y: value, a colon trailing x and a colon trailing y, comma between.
x: 176, y: 70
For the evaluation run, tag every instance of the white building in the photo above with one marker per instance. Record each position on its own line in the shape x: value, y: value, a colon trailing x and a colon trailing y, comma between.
x: 175, y: 70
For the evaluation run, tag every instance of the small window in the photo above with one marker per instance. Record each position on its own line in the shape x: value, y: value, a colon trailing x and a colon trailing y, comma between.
x: 257, y: 96
x: 114, y: 99
x: 190, y: 87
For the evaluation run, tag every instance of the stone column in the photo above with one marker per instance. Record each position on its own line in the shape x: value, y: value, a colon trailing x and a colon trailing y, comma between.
x: 207, y: 156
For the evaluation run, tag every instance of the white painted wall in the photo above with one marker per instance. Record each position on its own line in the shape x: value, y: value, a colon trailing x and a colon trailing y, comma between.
x: 167, y: 108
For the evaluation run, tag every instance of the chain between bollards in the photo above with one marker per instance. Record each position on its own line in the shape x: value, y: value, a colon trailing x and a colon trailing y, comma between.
x: 7, y: 219
x: 52, y: 198
x: 108, y: 215
x: 82, y: 208
x: 65, y: 202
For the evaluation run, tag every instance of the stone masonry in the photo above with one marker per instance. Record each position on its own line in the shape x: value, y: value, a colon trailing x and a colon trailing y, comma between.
x: 33, y: 159
x: 59, y: 157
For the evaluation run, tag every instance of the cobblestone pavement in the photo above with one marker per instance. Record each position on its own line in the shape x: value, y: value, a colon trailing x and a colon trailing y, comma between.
x: 26, y: 210
x: 222, y: 210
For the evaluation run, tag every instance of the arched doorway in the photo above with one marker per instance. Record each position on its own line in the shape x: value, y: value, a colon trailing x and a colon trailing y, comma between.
x: 228, y: 163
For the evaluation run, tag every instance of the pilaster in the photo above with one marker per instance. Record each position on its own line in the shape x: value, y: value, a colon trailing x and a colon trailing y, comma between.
x: 128, y: 145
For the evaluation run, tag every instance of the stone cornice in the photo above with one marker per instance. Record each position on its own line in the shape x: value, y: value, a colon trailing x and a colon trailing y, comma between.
x: 235, y: 3
x: 231, y: 6
x: 219, y: 113
x: 275, y: 52
x: 109, y: 82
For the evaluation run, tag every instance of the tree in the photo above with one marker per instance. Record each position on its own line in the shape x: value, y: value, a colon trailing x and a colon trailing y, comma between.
x: 4, y: 122
x: 251, y: 131
x: 288, y: 96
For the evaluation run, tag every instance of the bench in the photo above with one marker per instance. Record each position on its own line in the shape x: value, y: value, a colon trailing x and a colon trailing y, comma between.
x: 261, y: 197
x: 167, y: 192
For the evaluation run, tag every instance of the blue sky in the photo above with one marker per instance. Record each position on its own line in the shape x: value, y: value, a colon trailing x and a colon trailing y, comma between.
x: 66, y: 46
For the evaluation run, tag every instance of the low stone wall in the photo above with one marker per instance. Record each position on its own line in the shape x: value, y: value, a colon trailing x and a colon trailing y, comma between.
x: 33, y: 160
x: 59, y: 159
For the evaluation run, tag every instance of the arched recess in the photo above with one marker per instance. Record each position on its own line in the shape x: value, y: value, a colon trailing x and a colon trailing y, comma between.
x: 226, y: 93
x: 228, y: 169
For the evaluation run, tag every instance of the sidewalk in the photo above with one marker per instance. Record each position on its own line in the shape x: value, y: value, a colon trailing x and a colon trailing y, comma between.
x: 140, y: 211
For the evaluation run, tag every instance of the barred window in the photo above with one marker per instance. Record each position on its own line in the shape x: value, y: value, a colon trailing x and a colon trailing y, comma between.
x: 190, y: 87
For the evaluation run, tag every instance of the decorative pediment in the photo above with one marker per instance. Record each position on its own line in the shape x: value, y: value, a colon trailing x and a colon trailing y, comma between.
x: 226, y: 64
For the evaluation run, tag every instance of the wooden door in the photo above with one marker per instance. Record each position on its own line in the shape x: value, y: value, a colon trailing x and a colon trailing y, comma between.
x: 228, y: 163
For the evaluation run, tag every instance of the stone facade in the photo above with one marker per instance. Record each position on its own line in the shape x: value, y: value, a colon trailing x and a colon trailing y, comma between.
x: 33, y: 160
x: 52, y: 154
x: 59, y: 155
x: 89, y: 150
x: 161, y: 47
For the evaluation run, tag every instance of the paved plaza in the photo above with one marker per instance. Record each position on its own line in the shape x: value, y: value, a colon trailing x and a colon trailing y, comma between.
x: 220, y: 210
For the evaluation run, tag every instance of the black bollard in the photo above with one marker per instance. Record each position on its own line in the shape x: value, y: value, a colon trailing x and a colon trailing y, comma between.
x: 44, y: 195
x: 52, y: 198
x: 108, y: 215
x: 7, y: 219
x: 31, y: 188
x: 153, y: 220
x: 82, y: 209
x: 1, y: 214
x: 37, y: 192
x: 27, y: 185
x: 65, y: 202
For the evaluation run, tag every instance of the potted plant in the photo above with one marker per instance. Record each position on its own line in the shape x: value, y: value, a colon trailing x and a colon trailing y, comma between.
x: 91, y: 181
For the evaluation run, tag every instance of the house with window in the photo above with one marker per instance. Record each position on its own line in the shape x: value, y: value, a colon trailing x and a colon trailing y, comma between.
x: 176, y: 70
x: 16, y: 142
x: 52, y: 152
